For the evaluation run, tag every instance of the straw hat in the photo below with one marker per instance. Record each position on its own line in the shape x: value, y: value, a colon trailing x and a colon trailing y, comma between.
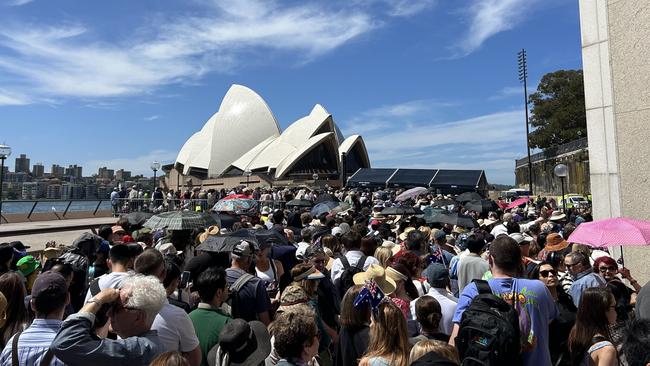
x: 557, y: 216
x: 376, y: 273
x: 210, y: 231
x: 395, y: 275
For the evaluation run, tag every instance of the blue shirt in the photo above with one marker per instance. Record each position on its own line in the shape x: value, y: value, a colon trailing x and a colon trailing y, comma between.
x: 76, y: 344
x: 584, y: 281
x: 536, y: 310
x: 33, y: 343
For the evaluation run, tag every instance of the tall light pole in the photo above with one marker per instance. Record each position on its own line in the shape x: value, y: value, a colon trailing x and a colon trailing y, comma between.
x: 562, y: 171
x: 155, y: 166
x: 5, y: 151
x: 523, y: 77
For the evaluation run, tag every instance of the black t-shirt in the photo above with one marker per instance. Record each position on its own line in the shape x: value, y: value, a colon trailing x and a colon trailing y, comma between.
x: 353, y: 343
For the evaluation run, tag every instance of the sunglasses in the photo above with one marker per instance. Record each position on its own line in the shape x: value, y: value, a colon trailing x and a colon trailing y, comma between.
x: 547, y: 272
x: 569, y: 265
x: 608, y: 268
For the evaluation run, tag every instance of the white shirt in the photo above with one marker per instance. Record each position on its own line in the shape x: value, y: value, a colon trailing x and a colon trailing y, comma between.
x: 175, y: 329
x: 448, y: 305
x: 109, y: 280
x: 353, y: 257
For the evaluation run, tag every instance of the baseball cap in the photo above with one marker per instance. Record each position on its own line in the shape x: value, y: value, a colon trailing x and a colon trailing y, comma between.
x: 117, y: 229
x: 520, y: 238
x: 439, y: 235
x: 27, y: 265
x: 50, y: 284
x: 19, y: 246
x: 437, y: 275
x: 243, y: 249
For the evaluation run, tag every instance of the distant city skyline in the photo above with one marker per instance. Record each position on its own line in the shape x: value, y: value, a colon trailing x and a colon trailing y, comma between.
x: 427, y: 83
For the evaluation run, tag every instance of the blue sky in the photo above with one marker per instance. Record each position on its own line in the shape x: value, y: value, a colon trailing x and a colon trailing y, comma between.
x: 429, y: 83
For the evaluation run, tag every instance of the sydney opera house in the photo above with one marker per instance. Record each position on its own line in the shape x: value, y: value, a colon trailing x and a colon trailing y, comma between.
x: 243, y: 141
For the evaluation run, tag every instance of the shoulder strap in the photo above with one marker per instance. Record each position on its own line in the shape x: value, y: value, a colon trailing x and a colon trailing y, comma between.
x: 482, y: 286
x: 275, y: 274
x: 241, y: 281
x: 47, y: 358
x: 361, y: 262
x: 344, y: 262
x: 94, y: 287
x: 14, y: 350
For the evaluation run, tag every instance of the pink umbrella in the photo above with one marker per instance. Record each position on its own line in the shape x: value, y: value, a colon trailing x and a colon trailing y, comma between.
x: 517, y: 202
x: 618, y: 231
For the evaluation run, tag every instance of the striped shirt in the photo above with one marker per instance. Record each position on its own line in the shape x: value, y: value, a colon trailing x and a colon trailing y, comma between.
x: 33, y: 343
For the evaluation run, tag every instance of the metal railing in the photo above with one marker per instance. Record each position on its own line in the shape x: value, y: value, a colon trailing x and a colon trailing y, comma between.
x: 61, y: 208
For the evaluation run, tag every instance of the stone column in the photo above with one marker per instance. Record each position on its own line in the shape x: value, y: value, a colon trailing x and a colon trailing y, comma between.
x: 616, y: 64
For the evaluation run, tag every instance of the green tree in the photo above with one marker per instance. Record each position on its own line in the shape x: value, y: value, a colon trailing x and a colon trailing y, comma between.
x: 558, y: 109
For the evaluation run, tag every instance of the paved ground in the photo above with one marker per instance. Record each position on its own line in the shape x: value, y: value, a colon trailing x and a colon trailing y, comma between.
x: 37, y: 233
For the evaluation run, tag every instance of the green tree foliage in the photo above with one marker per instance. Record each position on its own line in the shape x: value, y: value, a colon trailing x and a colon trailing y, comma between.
x: 558, y: 109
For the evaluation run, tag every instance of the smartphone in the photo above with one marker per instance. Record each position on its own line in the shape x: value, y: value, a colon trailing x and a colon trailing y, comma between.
x: 185, y: 279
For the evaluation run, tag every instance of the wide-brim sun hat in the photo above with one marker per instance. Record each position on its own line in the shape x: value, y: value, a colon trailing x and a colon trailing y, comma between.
x: 376, y: 273
x: 555, y: 242
x: 557, y: 216
x: 249, y: 343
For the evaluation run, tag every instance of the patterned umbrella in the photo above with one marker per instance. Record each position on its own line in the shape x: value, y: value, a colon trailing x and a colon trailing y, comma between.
x: 518, y: 202
x: 618, y: 231
x: 234, y: 205
x: 176, y: 220
x: 411, y: 193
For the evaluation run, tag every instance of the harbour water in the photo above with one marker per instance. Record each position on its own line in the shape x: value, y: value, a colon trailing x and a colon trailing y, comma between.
x: 59, y: 206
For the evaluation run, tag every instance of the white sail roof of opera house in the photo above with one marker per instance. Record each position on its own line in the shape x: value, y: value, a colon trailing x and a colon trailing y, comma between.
x: 244, y: 136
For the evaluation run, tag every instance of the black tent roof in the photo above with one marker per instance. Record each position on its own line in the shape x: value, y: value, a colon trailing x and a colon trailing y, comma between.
x: 411, y: 178
x: 443, y: 180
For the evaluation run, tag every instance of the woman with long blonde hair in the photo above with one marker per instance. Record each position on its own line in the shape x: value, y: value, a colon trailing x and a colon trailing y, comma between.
x: 388, y: 338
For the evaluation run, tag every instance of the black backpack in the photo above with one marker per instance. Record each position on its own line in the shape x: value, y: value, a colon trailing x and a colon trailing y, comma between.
x: 232, y: 304
x: 489, y: 331
x: 345, y: 281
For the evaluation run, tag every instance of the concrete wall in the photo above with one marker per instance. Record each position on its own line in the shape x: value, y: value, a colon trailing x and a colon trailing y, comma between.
x: 615, y: 52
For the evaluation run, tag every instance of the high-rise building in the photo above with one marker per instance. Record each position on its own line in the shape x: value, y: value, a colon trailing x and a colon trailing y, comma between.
x: 38, y: 170
x: 73, y: 171
x: 57, y: 171
x: 106, y: 173
x: 70, y: 191
x: 91, y: 191
x: 22, y: 164
x: 53, y: 192
x: 34, y: 190
x: 122, y: 175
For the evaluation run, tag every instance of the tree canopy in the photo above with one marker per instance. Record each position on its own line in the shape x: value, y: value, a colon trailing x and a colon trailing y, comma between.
x: 558, y: 109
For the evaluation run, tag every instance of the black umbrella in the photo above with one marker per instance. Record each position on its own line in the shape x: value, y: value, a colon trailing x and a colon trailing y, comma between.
x: 326, y: 197
x: 401, y: 210
x: 137, y: 218
x: 226, y: 243
x: 481, y: 206
x: 300, y: 203
x: 455, y: 219
x: 443, y: 202
x: 468, y: 196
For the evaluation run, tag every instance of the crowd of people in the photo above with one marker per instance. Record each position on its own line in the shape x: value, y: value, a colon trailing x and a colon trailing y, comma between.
x: 347, y: 287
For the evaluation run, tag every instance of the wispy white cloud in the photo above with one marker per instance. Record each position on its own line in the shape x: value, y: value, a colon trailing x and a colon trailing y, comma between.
x: 136, y: 165
x: 57, y: 60
x: 10, y: 98
x: 151, y: 118
x: 488, y: 18
x: 408, y: 109
x: 17, y: 2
